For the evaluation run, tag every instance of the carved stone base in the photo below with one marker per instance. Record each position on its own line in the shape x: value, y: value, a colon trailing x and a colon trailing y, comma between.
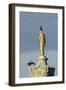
x: 41, y: 69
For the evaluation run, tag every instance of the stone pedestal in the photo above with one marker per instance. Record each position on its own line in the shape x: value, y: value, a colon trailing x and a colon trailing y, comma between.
x: 43, y: 65
x: 40, y: 69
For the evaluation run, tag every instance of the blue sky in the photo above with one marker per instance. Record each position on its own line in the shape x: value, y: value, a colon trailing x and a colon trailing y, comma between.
x: 29, y: 30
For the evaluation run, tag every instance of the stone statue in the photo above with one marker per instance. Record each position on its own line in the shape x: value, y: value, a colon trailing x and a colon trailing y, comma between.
x: 42, y: 41
x: 41, y: 69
